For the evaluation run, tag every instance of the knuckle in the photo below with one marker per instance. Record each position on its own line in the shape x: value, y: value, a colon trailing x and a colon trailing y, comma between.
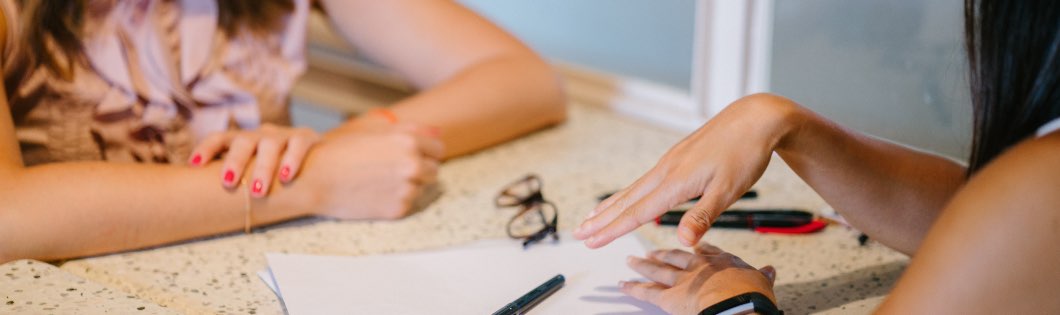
x: 268, y: 127
x: 702, y: 217
x: 269, y: 143
x: 403, y: 140
x: 214, y: 137
x: 306, y: 133
x: 408, y: 166
x: 241, y: 140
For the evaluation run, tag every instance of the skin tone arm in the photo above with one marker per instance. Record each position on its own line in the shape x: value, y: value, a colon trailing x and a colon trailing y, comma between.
x: 994, y: 248
x: 480, y: 86
x: 890, y: 192
x: 72, y: 209
x: 991, y: 251
x: 104, y: 207
x: 65, y: 210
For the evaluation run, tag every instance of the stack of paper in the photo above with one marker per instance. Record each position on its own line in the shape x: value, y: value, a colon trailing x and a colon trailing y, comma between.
x: 475, y: 279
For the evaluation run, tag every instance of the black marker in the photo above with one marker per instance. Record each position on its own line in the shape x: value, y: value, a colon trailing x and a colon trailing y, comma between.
x: 530, y: 299
x: 750, y: 194
x: 736, y: 218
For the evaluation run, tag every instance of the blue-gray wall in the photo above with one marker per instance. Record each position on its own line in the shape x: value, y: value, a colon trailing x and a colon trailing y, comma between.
x: 647, y: 39
x: 894, y: 68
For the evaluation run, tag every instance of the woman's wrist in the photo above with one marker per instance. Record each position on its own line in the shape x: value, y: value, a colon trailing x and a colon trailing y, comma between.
x: 777, y: 119
x: 285, y: 200
x: 788, y: 121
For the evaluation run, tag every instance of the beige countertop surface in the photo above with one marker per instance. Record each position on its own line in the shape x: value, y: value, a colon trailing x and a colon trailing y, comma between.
x: 595, y: 152
x: 33, y: 287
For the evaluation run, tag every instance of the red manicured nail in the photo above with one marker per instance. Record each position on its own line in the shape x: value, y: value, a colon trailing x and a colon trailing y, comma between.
x: 285, y: 173
x: 195, y: 160
x: 257, y: 187
x: 230, y: 176
x: 434, y: 131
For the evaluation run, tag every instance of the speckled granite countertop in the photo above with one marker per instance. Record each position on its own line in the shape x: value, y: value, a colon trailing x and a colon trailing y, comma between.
x: 33, y: 287
x: 596, y: 151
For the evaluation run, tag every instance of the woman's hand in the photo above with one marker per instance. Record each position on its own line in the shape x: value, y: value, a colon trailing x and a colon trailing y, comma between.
x: 276, y: 150
x: 719, y: 162
x: 686, y: 283
x: 371, y: 174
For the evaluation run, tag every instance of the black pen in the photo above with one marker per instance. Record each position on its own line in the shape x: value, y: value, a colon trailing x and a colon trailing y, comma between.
x: 750, y: 194
x: 530, y: 299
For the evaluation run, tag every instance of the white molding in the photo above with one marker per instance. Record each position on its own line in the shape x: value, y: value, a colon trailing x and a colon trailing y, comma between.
x: 721, y: 37
x: 731, y: 53
x: 651, y: 102
x: 731, y: 58
x: 761, y: 46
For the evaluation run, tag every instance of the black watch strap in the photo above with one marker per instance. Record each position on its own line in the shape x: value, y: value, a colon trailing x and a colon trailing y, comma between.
x: 761, y: 304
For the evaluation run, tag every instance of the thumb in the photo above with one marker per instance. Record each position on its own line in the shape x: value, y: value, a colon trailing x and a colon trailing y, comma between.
x: 770, y: 272
x: 697, y: 220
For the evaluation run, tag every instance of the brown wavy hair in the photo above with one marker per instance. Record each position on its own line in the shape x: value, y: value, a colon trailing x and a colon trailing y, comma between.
x: 59, y: 24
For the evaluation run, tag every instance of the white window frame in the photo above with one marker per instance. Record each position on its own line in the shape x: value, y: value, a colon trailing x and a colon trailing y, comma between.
x: 731, y: 59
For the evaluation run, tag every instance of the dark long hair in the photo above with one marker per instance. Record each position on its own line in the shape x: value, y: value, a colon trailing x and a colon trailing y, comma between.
x: 1015, y: 72
x: 58, y: 24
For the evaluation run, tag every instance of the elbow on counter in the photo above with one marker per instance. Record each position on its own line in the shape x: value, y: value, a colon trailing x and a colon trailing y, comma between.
x: 552, y: 96
x: 5, y: 238
x: 556, y: 102
x: 9, y: 237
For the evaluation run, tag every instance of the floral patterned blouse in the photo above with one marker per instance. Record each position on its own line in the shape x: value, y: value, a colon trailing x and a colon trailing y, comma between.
x: 159, y: 76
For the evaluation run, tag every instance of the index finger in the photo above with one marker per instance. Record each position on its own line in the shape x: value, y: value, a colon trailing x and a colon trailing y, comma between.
x: 643, y: 211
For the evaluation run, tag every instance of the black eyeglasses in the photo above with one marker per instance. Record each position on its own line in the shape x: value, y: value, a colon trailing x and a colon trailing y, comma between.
x: 536, y: 218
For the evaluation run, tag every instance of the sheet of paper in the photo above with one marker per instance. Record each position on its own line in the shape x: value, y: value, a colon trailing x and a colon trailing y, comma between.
x: 476, y: 279
x: 266, y: 277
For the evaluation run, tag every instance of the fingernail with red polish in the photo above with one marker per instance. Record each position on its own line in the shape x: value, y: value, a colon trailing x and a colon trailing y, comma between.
x: 257, y: 187
x: 285, y: 173
x: 434, y: 131
x: 230, y: 177
x: 196, y: 160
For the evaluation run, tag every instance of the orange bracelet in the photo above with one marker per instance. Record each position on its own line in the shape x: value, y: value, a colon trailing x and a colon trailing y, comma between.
x: 386, y: 113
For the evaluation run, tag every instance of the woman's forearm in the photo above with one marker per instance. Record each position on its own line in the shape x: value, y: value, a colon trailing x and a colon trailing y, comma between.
x: 479, y: 85
x: 489, y: 103
x: 66, y: 210
x: 890, y: 192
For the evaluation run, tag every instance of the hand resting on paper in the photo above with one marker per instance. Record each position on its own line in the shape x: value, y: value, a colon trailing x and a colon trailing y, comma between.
x: 686, y: 283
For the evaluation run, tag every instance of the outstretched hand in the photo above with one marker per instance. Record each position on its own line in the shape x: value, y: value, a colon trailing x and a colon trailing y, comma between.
x: 718, y: 162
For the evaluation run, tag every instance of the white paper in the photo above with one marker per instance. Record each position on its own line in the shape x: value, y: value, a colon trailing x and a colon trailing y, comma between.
x: 266, y: 277
x: 476, y: 279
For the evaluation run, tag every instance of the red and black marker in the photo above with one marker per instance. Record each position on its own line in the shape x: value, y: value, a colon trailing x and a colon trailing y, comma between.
x: 784, y: 221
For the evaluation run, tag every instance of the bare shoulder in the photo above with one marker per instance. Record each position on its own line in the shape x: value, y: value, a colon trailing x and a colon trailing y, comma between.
x: 1030, y: 165
x: 995, y: 243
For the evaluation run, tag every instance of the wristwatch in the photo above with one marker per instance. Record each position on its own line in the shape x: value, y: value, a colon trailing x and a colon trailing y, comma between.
x: 743, y: 304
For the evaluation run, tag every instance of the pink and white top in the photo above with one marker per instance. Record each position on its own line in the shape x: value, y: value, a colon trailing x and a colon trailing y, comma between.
x: 159, y: 76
